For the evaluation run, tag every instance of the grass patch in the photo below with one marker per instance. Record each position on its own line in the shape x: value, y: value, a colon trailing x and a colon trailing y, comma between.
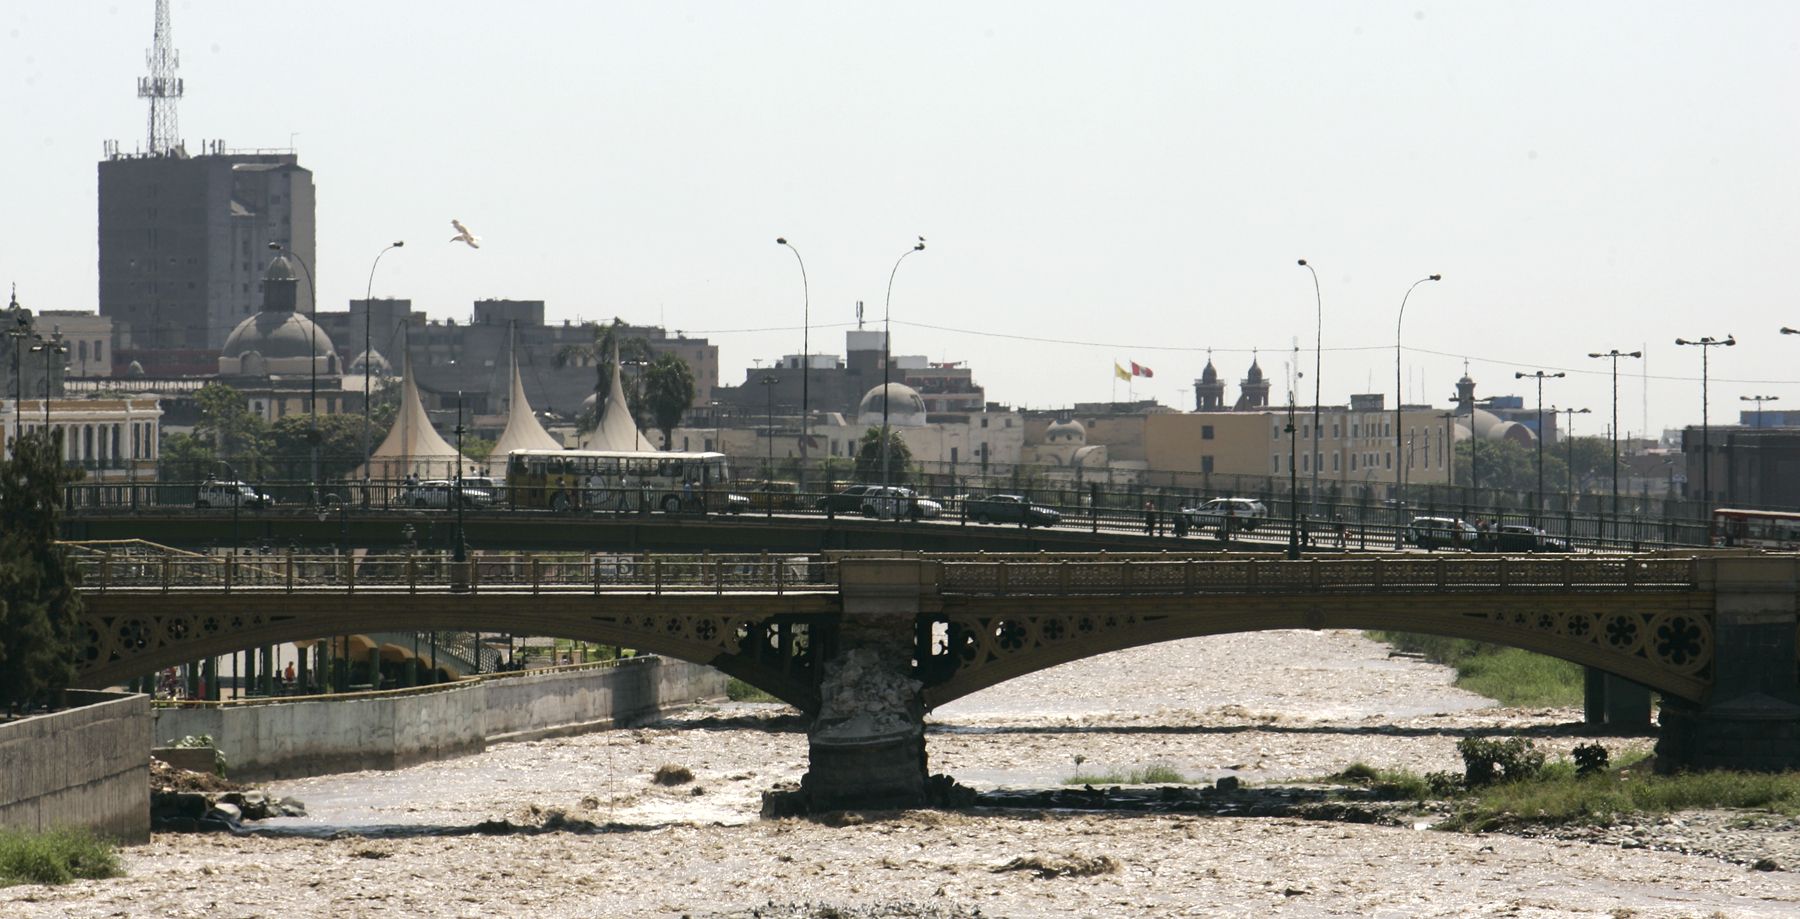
x: 1507, y: 675
x: 1384, y: 784
x: 55, y: 857
x: 1559, y: 796
x: 1153, y: 774
x: 739, y: 691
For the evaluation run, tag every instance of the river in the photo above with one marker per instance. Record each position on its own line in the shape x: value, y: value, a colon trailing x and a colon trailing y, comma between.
x: 605, y: 840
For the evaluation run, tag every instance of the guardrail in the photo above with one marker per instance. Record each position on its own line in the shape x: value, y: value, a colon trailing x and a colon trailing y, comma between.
x: 1362, y: 574
x: 410, y: 573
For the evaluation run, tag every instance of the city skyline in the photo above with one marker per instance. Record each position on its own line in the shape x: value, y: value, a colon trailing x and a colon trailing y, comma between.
x: 1098, y: 187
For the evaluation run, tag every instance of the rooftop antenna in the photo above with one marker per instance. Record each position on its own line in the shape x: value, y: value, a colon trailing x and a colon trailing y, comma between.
x: 162, y: 87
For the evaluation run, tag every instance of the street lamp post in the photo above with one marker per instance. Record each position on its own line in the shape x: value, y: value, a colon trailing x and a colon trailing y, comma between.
x: 1318, y: 364
x: 1759, y: 400
x: 1568, y: 436
x: 1706, y: 345
x: 1614, y: 355
x: 457, y: 553
x: 1539, y: 375
x: 51, y: 347
x: 1293, y: 549
x: 805, y: 361
x: 1399, y: 397
x: 368, y: 348
x: 768, y: 385
x: 312, y: 350
x: 18, y: 333
x: 886, y: 310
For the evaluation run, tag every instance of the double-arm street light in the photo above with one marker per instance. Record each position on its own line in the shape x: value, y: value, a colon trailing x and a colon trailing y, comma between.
x: 1706, y: 345
x: 1759, y: 400
x: 1399, y: 397
x: 805, y: 360
x: 1318, y: 363
x: 1614, y: 355
x: 368, y: 350
x: 20, y: 331
x: 1568, y: 436
x: 1540, y: 376
x: 51, y: 347
x: 886, y: 311
x: 312, y: 351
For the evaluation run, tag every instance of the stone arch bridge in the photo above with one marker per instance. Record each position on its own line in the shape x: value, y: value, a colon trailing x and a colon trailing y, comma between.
x: 867, y: 643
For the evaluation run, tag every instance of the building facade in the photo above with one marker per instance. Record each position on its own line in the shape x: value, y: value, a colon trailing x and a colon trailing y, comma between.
x: 183, y: 240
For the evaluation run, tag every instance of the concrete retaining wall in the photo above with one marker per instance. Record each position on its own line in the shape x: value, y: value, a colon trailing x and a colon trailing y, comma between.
x: 87, y: 767
x: 391, y: 730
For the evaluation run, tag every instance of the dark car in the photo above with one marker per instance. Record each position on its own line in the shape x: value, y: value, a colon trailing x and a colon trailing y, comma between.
x: 1441, y: 533
x: 848, y: 501
x: 1010, y: 509
x: 1517, y: 537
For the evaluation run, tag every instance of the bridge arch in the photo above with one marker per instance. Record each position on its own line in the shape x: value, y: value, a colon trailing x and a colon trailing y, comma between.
x: 769, y: 641
x: 1663, y: 641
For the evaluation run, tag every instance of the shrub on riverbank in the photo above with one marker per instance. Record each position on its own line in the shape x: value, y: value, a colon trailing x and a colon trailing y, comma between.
x: 739, y: 691
x: 1153, y: 774
x: 1508, y: 675
x: 55, y: 857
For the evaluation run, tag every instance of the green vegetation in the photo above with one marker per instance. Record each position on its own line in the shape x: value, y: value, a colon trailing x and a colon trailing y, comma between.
x: 55, y: 857
x: 39, y: 608
x: 1508, y: 783
x: 1153, y: 774
x: 739, y: 691
x: 1509, y: 675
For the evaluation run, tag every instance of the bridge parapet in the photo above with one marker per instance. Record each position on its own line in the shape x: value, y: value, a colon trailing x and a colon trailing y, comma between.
x: 1108, y: 575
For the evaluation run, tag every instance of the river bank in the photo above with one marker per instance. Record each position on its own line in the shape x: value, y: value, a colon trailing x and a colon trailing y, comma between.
x: 577, y: 826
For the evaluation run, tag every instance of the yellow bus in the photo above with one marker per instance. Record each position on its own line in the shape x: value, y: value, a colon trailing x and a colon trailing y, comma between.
x: 621, y: 482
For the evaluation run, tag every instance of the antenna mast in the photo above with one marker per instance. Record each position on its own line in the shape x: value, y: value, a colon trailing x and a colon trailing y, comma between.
x: 162, y: 87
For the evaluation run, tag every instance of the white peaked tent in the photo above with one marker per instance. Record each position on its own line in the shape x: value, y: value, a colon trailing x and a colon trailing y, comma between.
x: 412, y: 446
x: 616, y: 430
x: 522, y: 429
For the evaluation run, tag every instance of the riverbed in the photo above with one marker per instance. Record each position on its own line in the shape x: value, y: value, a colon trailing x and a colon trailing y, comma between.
x: 577, y: 827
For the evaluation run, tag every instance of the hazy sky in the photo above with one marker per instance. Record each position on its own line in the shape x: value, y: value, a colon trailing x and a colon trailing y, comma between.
x: 1098, y: 182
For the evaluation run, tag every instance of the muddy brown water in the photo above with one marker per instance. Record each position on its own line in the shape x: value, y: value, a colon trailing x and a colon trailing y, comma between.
x: 1268, y: 707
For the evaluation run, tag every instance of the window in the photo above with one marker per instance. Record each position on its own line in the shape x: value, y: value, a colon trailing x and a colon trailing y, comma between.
x: 1390, y: 459
x: 1206, y: 432
x: 1206, y: 464
x: 1334, y: 430
x: 1275, y: 462
x: 1305, y: 462
x: 1334, y: 462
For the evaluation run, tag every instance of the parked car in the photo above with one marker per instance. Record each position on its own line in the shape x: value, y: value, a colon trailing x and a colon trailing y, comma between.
x: 1517, y: 537
x: 1011, y: 509
x: 890, y: 501
x: 1441, y: 533
x: 1244, y: 513
x: 231, y: 494
x: 848, y: 501
x: 437, y: 493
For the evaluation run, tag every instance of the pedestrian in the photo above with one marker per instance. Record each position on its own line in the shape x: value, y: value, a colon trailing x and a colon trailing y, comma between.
x: 287, y: 675
x: 1181, y: 525
x: 1306, y: 532
x: 1149, y: 518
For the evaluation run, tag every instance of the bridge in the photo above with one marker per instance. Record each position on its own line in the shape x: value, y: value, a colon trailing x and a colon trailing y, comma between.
x: 866, y: 643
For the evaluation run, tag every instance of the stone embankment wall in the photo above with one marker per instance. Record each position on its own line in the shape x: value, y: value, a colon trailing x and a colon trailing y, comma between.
x: 284, y: 739
x: 87, y: 767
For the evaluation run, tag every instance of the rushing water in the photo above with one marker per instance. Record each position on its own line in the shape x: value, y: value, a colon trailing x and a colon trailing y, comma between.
x: 1268, y: 707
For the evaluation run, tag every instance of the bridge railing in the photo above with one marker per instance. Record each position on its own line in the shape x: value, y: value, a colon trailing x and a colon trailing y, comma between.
x: 414, y: 573
x: 1358, y: 574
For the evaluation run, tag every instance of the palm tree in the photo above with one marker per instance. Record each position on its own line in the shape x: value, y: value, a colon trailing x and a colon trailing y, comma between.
x: 668, y: 390
x: 868, y: 457
x: 608, y: 337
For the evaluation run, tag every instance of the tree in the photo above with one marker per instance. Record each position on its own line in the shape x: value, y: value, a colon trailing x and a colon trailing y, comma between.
x: 599, y: 353
x: 668, y: 391
x: 186, y: 458
x: 241, y: 439
x: 868, y: 457
x: 39, y: 608
x: 1510, y: 466
x: 340, y: 445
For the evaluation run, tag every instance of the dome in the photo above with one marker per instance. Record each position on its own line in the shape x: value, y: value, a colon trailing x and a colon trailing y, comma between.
x: 280, y: 269
x: 277, y: 334
x: 372, y: 360
x: 907, y: 410
x: 1255, y: 375
x: 1209, y: 375
x: 1070, y: 431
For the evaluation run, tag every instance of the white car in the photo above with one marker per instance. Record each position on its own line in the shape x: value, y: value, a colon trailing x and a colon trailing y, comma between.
x: 888, y: 502
x: 1244, y: 513
x: 231, y: 494
x: 437, y: 493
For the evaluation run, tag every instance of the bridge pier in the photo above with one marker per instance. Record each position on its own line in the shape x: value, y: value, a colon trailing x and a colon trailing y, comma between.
x: 1751, y: 717
x: 867, y: 744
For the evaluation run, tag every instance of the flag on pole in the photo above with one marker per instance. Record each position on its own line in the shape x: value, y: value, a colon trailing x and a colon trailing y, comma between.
x: 1120, y: 371
x: 1139, y: 370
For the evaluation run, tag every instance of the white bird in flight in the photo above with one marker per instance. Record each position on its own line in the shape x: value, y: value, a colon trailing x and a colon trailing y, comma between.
x: 463, y: 235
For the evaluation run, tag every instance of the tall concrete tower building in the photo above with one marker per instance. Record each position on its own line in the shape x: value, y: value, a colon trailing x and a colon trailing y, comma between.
x: 183, y: 238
